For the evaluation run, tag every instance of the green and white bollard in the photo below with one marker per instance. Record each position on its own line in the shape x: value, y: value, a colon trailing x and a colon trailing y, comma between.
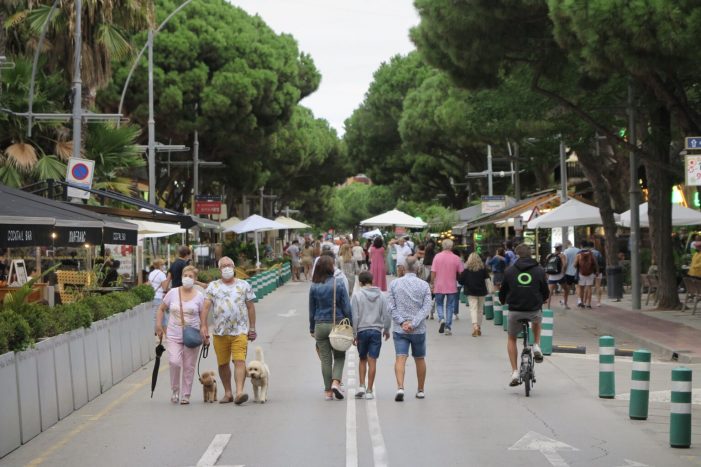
x: 505, y: 312
x: 640, y: 385
x: 254, y: 285
x: 498, y: 313
x: 546, y: 332
x: 680, y: 417
x: 488, y: 307
x: 607, y: 377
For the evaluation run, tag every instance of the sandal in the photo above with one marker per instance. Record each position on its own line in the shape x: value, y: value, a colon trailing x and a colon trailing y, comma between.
x: 226, y: 400
x: 175, y: 398
x: 185, y: 400
x: 241, y: 398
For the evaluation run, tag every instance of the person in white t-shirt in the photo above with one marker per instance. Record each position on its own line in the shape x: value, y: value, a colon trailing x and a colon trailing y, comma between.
x: 403, y: 252
x: 156, y: 278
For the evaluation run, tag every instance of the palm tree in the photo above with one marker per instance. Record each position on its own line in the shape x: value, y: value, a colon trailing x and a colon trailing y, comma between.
x: 106, y: 25
x: 115, y: 154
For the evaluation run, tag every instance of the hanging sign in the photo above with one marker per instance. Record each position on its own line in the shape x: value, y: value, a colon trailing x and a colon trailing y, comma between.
x: 693, y: 169
x: 80, y: 172
x: 692, y: 142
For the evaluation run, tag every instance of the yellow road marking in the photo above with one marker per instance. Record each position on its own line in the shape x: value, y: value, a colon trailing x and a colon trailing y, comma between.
x: 70, y: 435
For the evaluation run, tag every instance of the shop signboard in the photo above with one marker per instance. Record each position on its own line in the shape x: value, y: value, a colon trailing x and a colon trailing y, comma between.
x: 693, y: 169
x: 493, y: 203
x: 207, y: 205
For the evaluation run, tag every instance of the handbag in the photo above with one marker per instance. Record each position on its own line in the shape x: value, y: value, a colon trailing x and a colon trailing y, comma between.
x: 341, y: 335
x: 191, y: 336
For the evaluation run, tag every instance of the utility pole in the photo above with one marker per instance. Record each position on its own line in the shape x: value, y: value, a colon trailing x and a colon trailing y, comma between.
x: 490, y: 174
x: 151, y: 125
x: 634, y: 206
x: 262, y: 190
x: 196, y: 164
x: 563, y: 185
x: 77, y: 83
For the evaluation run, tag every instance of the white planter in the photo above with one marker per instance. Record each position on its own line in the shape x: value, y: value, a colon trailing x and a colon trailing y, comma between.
x: 28, y: 383
x: 64, y: 382
x: 9, y: 405
x: 48, y: 401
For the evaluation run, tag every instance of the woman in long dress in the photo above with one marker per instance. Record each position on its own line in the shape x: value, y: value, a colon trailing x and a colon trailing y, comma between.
x: 377, y: 264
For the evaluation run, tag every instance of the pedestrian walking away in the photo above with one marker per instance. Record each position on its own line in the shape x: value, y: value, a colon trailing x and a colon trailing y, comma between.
x: 348, y: 265
x: 371, y: 321
x: 186, y: 305
x: 555, y: 266
x: 524, y: 291
x: 231, y: 300
x: 293, y: 252
x: 156, y: 279
x: 377, y: 264
x: 325, y: 294
x: 409, y: 304
x: 475, y: 279
x: 587, y: 267
x: 497, y: 264
x: 570, y: 281
x: 445, y: 270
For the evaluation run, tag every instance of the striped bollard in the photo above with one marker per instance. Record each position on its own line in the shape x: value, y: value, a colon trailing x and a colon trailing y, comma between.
x: 680, y: 416
x: 463, y: 297
x: 488, y: 307
x: 607, y: 377
x: 254, y: 285
x: 531, y: 336
x: 546, y: 332
x: 498, y: 313
x: 505, y: 313
x: 640, y: 385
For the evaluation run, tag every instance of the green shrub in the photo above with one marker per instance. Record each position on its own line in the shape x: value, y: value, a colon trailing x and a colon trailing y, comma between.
x: 144, y: 291
x: 112, y: 304
x: 72, y: 316
x: 14, y: 331
x: 38, y: 317
x: 95, y: 304
x: 128, y: 299
x: 208, y: 275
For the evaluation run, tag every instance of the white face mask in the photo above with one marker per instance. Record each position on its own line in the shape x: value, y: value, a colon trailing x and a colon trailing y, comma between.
x: 188, y: 282
x: 227, y: 273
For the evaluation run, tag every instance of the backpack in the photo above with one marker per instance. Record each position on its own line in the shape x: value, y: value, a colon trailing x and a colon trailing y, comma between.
x: 586, y: 263
x: 553, y: 265
x: 600, y: 260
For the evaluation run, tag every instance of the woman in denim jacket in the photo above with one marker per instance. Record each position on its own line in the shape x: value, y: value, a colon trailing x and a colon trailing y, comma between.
x: 321, y: 323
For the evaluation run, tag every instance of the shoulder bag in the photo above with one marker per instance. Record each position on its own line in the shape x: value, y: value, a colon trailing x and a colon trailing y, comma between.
x: 341, y: 335
x: 191, y: 336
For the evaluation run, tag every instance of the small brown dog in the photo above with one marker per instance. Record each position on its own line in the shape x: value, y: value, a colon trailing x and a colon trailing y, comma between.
x: 209, y: 386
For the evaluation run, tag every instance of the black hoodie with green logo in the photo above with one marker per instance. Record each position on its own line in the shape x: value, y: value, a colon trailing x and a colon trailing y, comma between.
x: 525, y: 287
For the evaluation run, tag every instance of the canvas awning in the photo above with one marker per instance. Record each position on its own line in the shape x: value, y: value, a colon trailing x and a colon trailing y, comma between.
x: 680, y: 216
x: 570, y: 214
x: 149, y: 229
x: 394, y: 218
x: 523, y: 206
x: 291, y: 223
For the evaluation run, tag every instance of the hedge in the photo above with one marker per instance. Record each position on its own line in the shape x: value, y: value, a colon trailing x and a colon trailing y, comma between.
x: 23, y: 324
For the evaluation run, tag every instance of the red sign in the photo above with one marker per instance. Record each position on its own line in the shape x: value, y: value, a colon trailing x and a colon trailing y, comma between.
x: 207, y: 207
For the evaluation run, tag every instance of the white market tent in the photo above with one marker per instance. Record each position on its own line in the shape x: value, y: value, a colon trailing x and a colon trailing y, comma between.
x: 372, y: 234
x: 255, y: 224
x: 230, y: 222
x: 680, y: 216
x: 570, y: 214
x: 291, y: 223
x: 150, y: 229
x: 395, y: 218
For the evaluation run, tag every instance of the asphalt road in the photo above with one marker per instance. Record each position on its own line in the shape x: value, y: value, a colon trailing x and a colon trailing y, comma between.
x: 470, y: 416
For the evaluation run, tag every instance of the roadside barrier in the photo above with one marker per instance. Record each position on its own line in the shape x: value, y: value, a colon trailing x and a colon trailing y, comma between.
x: 546, y: 332
x: 498, y: 313
x: 505, y: 312
x: 607, y: 377
x: 680, y: 414
x: 488, y: 307
x: 640, y: 385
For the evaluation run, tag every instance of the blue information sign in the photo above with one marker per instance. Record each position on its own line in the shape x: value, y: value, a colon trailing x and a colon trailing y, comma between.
x: 692, y: 142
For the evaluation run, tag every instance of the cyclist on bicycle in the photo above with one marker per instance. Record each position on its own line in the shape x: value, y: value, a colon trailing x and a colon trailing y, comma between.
x: 524, y: 290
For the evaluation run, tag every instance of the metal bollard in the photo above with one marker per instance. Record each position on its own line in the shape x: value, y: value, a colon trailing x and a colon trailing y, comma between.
x: 488, y: 307
x: 607, y: 376
x: 680, y: 416
x: 498, y: 313
x: 640, y: 385
x: 546, y: 332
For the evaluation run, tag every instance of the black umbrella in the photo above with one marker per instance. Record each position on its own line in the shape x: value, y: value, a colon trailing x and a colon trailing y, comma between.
x: 154, y: 377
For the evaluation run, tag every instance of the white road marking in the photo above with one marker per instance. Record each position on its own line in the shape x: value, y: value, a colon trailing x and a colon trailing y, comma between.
x: 351, y: 425
x: 379, y: 450
x: 630, y: 463
x: 289, y: 314
x: 214, y: 451
x: 533, y: 441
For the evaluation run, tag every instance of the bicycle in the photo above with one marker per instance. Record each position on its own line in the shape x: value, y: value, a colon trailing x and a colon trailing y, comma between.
x: 527, y: 369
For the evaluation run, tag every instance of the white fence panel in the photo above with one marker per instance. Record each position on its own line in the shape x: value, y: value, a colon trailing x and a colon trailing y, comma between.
x: 9, y: 405
x: 92, y: 364
x: 78, y: 376
x: 64, y: 382
x: 28, y: 384
x: 48, y: 402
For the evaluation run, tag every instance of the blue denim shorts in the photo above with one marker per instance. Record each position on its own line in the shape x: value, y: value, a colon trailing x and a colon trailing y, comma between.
x: 369, y: 343
x: 416, y: 341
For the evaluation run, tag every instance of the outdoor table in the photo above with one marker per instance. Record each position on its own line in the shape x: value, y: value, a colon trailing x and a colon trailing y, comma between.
x: 36, y: 295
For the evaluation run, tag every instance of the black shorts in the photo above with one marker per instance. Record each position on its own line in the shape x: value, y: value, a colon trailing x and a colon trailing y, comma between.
x: 570, y: 280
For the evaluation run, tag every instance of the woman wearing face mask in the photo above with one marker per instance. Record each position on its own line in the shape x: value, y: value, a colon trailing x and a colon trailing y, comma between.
x: 185, y: 304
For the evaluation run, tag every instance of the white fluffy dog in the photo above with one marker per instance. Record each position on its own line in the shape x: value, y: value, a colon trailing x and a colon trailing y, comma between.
x: 259, y: 373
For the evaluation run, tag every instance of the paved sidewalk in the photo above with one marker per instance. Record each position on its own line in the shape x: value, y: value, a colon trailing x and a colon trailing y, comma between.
x: 668, y: 334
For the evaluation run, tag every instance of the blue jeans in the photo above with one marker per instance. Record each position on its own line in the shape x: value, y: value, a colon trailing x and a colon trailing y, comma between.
x: 369, y: 343
x: 417, y: 342
x: 452, y: 299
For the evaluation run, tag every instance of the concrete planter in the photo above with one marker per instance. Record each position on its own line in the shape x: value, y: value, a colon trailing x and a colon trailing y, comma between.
x: 44, y: 384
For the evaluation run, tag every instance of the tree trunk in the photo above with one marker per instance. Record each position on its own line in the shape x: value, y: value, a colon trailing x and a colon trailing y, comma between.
x: 660, y: 184
x: 592, y: 168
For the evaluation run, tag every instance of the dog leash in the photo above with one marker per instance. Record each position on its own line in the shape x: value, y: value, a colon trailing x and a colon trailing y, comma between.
x: 204, y: 352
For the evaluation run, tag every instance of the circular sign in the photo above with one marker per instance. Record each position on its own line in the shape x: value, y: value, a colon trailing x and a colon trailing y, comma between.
x: 80, y: 171
x: 524, y: 278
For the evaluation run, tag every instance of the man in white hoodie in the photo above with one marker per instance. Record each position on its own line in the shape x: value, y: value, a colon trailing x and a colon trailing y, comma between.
x: 371, y: 320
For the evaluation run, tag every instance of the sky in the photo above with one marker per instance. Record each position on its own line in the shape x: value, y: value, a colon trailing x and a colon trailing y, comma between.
x: 347, y: 40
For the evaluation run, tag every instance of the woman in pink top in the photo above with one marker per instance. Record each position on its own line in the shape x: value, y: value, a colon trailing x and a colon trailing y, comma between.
x: 377, y: 264
x: 179, y: 356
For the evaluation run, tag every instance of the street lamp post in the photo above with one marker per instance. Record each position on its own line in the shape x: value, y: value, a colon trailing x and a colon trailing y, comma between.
x: 634, y: 207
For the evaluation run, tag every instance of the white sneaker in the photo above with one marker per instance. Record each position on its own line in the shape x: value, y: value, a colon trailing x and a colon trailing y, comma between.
x: 537, y: 354
x: 369, y: 396
x: 399, y: 396
x: 360, y: 392
x: 514, y: 378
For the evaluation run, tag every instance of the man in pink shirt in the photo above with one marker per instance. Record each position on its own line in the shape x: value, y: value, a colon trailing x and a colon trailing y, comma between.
x: 444, y: 276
